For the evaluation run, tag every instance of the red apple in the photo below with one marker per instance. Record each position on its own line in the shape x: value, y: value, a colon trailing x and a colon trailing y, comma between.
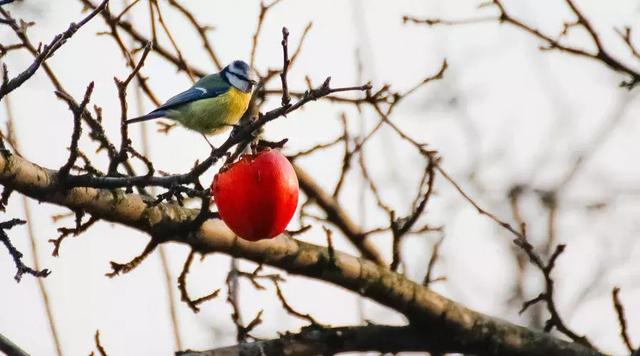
x: 257, y: 195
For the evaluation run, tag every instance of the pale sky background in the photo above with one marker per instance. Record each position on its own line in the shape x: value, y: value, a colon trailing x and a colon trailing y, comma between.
x: 505, y: 112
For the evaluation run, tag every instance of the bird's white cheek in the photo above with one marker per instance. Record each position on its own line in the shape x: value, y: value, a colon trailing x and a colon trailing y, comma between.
x: 239, y: 83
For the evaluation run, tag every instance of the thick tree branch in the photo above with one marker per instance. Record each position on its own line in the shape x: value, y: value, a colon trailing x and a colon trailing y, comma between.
x: 329, y: 341
x: 8, y: 347
x: 450, y: 326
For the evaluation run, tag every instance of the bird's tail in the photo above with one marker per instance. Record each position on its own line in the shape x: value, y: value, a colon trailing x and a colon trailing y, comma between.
x: 150, y: 116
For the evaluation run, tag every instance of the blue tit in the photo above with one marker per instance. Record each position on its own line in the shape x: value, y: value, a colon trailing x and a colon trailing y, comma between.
x: 212, y: 104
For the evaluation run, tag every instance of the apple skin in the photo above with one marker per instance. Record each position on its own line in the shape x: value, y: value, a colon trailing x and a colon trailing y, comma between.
x: 257, y: 195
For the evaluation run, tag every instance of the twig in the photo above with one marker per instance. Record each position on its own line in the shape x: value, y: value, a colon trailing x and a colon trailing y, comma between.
x: 17, y: 255
x: 547, y: 296
x: 242, y: 134
x: 165, y: 28
x: 601, y: 54
x: 47, y: 51
x: 127, y: 27
x: 263, y: 12
x: 286, y: 99
x: 6, y: 345
x: 338, y: 217
x: 182, y: 286
x: 12, y: 137
x: 428, y: 279
x: 288, y: 307
x: 77, y: 111
x: 99, y: 346
x: 346, y: 157
x: 480, y: 210
x: 621, y: 319
x: 315, y: 148
x: 243, y: 332
x: 202, y: 32
x: 125, y: 142
x: 79, y: 228
x: 117, y: 268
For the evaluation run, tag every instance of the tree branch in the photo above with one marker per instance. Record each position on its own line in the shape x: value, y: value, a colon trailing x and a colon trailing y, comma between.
x: 9, y: 85
x: 450, y: 326
x: 8, y: 347
x: 338, y: 217
x: 328, y: 341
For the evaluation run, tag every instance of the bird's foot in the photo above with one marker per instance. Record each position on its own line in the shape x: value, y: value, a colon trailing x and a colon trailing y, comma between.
x: 208, y: 142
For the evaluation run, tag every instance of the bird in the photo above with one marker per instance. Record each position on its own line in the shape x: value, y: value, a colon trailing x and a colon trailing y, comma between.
x: 213, y: 104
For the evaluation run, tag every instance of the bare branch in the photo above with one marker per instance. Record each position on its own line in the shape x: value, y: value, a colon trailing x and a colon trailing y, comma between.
x: 263, y: 12
x: 337, y: 216
x: 6, y: 345
x: 17, y: 255
x: 47, y: 51
x: 286, y: 99
x: 117, y: 268
x: 601, y: 54
x: 99, y: 346
x: 202, y: 32
x: 621, y: 319
x: 316, y: 340
x: 77, y: 111
x: 182, y: 286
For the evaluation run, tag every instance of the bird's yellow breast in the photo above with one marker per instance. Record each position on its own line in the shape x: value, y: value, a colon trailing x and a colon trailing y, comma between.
x: 213, y: 115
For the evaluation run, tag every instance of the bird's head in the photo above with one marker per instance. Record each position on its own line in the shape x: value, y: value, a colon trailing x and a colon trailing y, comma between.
x: 239, y: 75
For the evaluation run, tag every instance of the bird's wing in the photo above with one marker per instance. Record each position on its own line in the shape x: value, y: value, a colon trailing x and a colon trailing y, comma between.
x: 207, y: 87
